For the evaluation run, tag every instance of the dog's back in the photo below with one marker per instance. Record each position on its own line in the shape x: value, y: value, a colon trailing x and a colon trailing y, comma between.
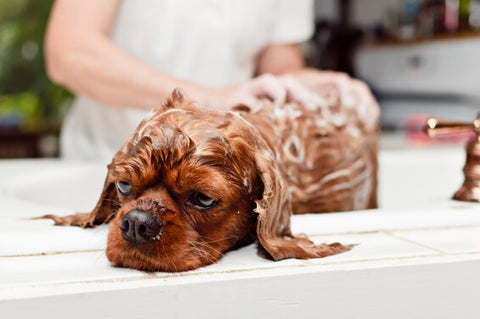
x: 328, y: 156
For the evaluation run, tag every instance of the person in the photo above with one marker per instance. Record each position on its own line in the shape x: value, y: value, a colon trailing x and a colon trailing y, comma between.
x: 123, y: 57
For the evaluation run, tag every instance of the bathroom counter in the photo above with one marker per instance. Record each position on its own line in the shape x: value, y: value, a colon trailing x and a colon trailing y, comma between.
x: 417, y: 256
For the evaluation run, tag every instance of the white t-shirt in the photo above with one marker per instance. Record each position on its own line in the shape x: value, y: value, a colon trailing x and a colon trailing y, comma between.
x: 209, y: 42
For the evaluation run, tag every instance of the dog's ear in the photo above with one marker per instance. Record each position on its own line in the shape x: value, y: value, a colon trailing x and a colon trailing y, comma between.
x: 105, y: 209
x: 107, y: 205
x: 274, y: 212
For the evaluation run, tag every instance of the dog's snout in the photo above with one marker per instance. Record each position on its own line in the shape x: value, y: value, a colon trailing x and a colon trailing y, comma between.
x: 140, y: 227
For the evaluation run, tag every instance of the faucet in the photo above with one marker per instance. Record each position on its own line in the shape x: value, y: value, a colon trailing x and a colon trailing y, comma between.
x: 470, y: 189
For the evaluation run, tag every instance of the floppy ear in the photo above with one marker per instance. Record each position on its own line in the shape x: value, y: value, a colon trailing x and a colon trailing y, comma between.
x: 274, y: 211
x: 107, y: 205
x: 106, y: 208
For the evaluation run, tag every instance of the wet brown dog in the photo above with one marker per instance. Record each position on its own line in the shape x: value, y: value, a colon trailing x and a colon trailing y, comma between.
x: 192, y: 184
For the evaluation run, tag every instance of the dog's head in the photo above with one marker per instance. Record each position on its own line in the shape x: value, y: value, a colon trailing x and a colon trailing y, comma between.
x: 188, y: 186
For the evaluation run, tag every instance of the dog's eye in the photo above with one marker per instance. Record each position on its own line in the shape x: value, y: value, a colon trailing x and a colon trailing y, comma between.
x: 124, y: 188
x: 201, y: 201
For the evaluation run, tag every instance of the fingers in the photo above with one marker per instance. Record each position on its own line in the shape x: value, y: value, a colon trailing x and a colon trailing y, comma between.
x: 250, y: 93
x: 297, y: 92
x: 269, y: 86
x: 353, y: 93
x: 367, y: 106
x: 301, y: 89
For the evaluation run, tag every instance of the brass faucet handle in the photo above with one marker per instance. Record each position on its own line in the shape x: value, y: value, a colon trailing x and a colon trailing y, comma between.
x: 470, y: 190
x: 435, y: 127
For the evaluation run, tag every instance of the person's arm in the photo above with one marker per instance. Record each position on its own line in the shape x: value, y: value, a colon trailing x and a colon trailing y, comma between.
x: 80, y: 56
x: 279, y: 59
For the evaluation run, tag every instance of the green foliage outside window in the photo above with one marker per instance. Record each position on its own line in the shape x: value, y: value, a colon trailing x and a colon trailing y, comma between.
x: 28, y: 99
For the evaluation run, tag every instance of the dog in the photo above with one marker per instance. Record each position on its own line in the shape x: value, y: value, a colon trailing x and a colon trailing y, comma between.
x: 192, y: 183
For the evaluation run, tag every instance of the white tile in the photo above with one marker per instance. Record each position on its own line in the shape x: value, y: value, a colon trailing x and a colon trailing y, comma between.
x: 61, y: 268
x: 371, y: 246
x: 453, y: 240
x: 451, y: 213
x: 83, y: 267
x: 26, y: 237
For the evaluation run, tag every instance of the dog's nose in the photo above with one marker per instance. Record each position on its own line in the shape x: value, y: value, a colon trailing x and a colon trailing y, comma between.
x: 140, y: 227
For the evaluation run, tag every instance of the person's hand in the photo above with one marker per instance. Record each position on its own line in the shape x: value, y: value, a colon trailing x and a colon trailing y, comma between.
x: 266, y: 86
x: 300, y: 87
x: 250, y: 93
x: 353, y: 92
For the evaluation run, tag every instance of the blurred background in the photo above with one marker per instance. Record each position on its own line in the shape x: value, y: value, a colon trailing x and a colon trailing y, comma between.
x: 421, y: 58
x: 31, y: 107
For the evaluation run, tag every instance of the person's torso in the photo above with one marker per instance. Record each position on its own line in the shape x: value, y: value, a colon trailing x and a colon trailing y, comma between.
x: 213, y: 43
